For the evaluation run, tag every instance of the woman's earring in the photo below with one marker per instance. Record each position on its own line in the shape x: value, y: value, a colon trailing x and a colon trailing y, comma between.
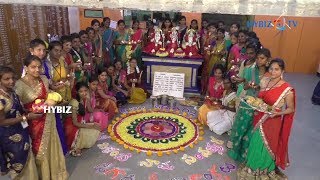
x: 268, y: 63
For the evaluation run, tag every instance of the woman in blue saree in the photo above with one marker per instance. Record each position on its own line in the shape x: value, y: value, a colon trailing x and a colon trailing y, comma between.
x: 16, y: 157
x: 107, y: 42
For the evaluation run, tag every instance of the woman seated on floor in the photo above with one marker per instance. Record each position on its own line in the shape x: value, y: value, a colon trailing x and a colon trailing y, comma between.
x: 107, y: 112
x: 134, y: 84
x: 220, y: 121
x: 214, y: 93
x: 81, y: 132
x: 118, y: 81
x: 104, y: 100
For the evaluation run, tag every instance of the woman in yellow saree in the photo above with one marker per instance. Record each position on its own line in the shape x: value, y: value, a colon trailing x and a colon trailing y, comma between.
x: 46, y: 145
x: 134, y: 85
x: 60, y: 79
x: 218, y: 51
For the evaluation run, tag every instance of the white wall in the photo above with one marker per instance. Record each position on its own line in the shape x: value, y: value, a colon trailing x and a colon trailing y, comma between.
x: 249, y: 7
x: 74, y: 20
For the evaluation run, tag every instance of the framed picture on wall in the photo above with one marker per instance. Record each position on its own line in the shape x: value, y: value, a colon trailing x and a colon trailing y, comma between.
x: 89, y: 13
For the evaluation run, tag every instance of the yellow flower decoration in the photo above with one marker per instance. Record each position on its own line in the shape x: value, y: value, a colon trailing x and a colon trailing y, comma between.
x: 155, y: 132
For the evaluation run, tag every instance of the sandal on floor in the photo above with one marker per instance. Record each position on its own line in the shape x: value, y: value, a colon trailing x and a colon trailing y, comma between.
x: 75, y: 154
x: 229, y: 145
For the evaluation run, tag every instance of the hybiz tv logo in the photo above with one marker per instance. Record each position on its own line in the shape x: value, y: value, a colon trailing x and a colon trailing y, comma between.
x: 57, y: 109
x: 279, y: 24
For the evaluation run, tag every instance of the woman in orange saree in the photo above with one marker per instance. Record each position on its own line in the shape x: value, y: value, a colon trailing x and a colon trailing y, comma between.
x: 268, y: 147
x: 208, y: 40
x: 46, y: 145
x: 104, y: 100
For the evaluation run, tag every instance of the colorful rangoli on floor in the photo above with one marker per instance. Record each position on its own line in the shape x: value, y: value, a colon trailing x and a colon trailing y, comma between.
x: 156, y: 131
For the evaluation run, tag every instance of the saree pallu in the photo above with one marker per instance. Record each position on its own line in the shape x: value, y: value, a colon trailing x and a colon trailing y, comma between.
x: 250, y: 74
x: 46, y: 145
x: 269, y: 144
x: 241, y: 133
x: 60, y: 73
x: 100, y: 117
x: 107, y: 47
x: 205, y: 69
x: 121, y: 52
x: 98, y: 52
x: 216, y: 59
x: 138, y: 92
x: 119, y: 82
x: 242, y: 128
x: 89, y: 64
x: 16, y: 156
x: 137, y: 48
x: 79, y: 138
x: 106, y: 105
x: 137, y: 96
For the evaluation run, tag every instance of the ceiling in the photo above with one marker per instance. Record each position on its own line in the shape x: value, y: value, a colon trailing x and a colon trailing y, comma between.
x: 305, y: 8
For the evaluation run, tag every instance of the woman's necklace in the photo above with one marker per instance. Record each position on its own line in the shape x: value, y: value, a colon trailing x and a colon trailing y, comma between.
x: 8, y: 94
x: 55, y: 68
x: 267, y: 89
x: 32, y: 82
x: 217, y: 85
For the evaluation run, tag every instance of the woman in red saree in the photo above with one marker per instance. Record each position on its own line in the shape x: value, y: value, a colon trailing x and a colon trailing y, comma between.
x: 214, y: 93
x: 46, y: 145
x: 268, y: 147
x: 136, y: 39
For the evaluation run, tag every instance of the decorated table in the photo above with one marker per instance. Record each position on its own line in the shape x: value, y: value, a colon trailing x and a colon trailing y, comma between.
x: 188, y: 66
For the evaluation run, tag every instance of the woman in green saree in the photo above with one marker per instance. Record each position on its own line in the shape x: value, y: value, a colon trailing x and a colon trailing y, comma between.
x: 122, y: 38
x: 250, y: 80
x: 137, y: 38
x: 107, y: 42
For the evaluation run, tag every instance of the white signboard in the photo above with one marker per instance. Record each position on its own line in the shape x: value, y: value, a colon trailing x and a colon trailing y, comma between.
x: 171, y: 84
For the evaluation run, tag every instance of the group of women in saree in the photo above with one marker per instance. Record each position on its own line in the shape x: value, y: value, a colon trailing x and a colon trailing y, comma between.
x: 258, y: 139
x: 33, y: 145
x: 218, y: 48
